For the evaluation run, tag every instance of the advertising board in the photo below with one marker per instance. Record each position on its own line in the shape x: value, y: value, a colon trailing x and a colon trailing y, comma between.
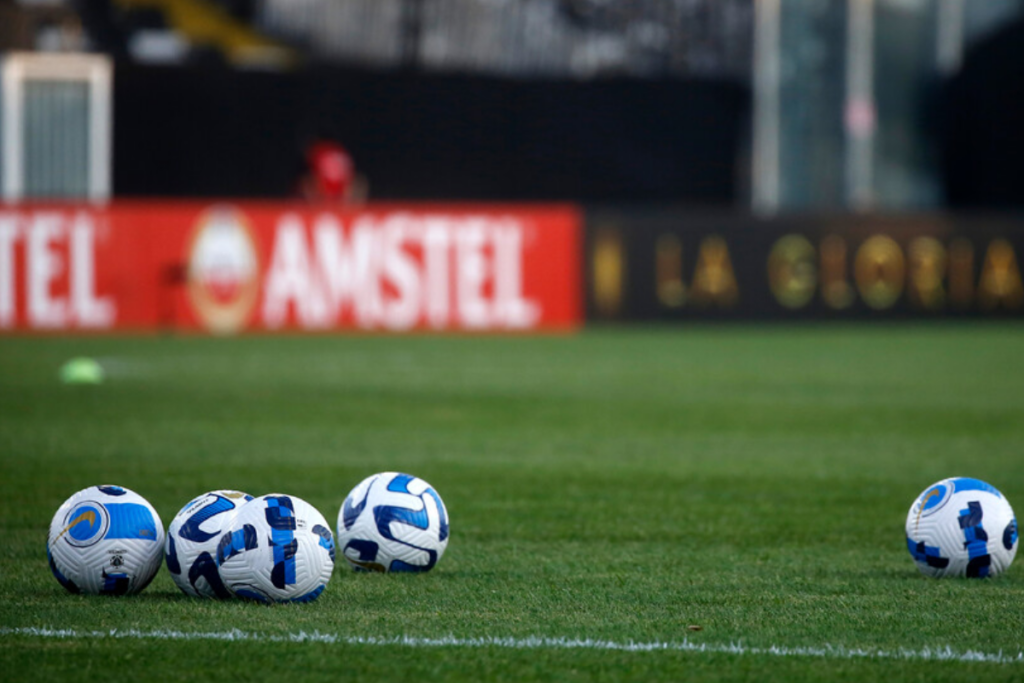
x: 231, y: 267
x: 684, y: 265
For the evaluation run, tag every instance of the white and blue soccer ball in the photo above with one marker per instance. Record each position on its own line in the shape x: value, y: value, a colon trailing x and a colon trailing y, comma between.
x: 961, y: 527
x: 279, y: 548
x: 105, y: 540
x: 393, y: 522
x: 192, y: 540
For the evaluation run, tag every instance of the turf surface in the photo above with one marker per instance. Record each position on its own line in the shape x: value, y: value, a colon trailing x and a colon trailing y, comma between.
x: 618, y: 485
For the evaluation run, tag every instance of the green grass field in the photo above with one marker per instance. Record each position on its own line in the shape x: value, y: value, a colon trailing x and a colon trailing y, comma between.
x: 617, y: 486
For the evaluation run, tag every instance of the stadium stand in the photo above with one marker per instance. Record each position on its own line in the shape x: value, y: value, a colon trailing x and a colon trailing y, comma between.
x: 524, y: 38
x: 555, y: 38
x: 179, y: 31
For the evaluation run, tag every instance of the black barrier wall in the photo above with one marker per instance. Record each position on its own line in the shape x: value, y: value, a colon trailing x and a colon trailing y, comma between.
x: 217, y: 132
x: 665, y: 265
x: 981, y: 117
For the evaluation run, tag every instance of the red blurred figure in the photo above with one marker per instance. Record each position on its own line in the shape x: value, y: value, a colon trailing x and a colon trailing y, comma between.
x: 331, y: 175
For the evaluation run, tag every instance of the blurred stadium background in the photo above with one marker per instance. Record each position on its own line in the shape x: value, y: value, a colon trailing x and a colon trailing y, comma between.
x: 728, y: 157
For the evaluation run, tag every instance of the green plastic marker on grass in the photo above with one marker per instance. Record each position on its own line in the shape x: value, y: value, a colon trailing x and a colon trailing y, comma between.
x: 81, y: 371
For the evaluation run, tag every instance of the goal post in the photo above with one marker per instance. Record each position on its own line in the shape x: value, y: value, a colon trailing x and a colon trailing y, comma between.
x: 55, y: 126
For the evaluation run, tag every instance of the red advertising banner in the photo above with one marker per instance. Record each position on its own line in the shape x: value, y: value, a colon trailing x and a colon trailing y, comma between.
x: 231, y: 267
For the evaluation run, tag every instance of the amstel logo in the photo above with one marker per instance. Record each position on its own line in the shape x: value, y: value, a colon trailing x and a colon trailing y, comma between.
x: 223, y: 270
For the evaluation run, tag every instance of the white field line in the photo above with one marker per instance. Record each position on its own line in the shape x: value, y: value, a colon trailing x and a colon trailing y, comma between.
x: 942, y: 654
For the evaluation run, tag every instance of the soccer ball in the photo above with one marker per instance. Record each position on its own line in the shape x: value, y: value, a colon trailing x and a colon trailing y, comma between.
x: 961, y: 527
x: 279, y: 548
x: 192, y: 540
x: 393, y: 522
x: 105, y: 540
